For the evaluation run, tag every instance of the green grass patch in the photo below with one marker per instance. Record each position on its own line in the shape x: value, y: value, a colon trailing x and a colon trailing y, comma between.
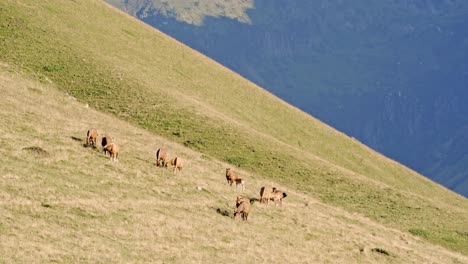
x: 420, y: 232
x: 53, y: 68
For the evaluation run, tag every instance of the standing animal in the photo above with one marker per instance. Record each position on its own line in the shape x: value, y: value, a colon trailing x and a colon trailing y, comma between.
x: 231, y: 176
x: 177, y: 163
x: 91, y: 137
x: 240, y: 199
x: 265, y: 193
x: 240, y: 182
x: 242, y: 208
x: 277, y: 196
x: 113, y: 150
x: 161, y: 156
x: 105, y: 141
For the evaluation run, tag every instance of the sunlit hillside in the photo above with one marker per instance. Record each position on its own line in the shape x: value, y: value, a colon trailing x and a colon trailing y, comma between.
x: 62, y: 202
x: 149, y: 90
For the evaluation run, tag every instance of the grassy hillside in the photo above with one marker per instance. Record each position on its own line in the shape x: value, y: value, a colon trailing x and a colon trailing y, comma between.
x: 123, y: 67
x: 62, y: 202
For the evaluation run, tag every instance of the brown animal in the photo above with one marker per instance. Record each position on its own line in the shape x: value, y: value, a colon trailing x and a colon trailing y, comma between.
x: 104, y: 142
x: 240, y: 182
x: 240, y: 199
x: 177, y: 163
x: 277, y: 196
x: 231, y: 176
x: 161, y: 156
x: 91, y: 137
x: 170, y: 163
x: 113, y: 150
x: 265, y: 193
x: 242, y: 208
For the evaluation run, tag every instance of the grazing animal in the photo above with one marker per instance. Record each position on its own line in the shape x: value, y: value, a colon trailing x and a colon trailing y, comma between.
x: 242, y: 208
x: 265, y: 193
x: 113, y: 150
x: 170, y: 163
x: 231, y: 176
x: 240, y: 182
x: 161, y: 156
x: 91, y: 137
x: 277, y: 196
x: 105, y: 141
x: 177, y: 163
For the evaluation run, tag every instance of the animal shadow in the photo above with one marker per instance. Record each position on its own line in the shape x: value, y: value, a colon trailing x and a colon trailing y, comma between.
x: 76, y: 139
x: 81, y: 140
x: 145, y: 160
x: 254, y: 200
x: 88, y: 146
x: 223, y: 212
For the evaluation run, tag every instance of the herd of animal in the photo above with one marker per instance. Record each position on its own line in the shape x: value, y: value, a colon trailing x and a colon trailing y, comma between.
x: 108, y: 146
x: 267, y: 193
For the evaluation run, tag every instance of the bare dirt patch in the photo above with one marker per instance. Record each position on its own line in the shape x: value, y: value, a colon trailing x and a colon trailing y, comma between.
x: 37, y: 151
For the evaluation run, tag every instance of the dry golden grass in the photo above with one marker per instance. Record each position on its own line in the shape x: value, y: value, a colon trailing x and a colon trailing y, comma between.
x: 120, y: 66
x: 74, y: 205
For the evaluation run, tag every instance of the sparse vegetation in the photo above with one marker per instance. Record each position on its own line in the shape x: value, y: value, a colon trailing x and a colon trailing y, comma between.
x: 419, y: 232
x: 53, y: 68
x: 237, y: 161
x: 163, y: 87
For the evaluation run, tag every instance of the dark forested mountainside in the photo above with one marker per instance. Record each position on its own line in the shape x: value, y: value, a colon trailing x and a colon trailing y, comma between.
x: 390, y: 73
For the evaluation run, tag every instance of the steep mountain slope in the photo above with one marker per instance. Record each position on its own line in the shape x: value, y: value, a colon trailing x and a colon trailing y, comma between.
x: 71, y: 204
x: 392, y: 74
x: 121, y: 66
x: 192, y: 12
